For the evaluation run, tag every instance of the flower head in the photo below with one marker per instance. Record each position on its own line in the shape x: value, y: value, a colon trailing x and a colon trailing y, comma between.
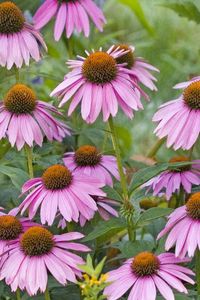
x: 105, y: 208
x: 100, y: 83
x: 24, y: 119
x: 88, y: 160
x: 19, y: 40
x: 64, y: 191
x: 179, y: 119
x: 11, y: 228
x: 138, y: 68
x: 171, y: 181
x: 38, y: 252
x: 145, y: 274
x: 70, y: 15
x: 183, y: 228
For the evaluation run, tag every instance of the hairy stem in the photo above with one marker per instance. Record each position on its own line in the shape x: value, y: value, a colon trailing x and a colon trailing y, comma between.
x: 29, y: 154
x: 119, y: 161
x: 17, y: 77
x: 18, y: 297
x: 130, y: 225
x: 47, y: 295
x: 180, y: 198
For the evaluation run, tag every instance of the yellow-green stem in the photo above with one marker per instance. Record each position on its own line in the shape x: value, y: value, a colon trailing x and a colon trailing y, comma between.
x: 180, y: 198
x: 18, y: 297
x: 29, y: 154
x: 17, y: 75
x: 47, y: 295
x: 198, y: 272
x: 152, y: 152
x: 191, y: 152
x: 119, y: 161
x: 130, y: 225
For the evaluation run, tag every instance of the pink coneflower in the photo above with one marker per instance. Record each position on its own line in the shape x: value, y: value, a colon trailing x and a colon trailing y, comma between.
x: 179, y: 119
x: 145, y: 274
x: 70, y: 15
x: 24, y: 119
x: 138, y: 67
x: 172, y: 181
x: 88, y: 160
x: 11, y: 227
x: 105, y: 208
x: 99, y: 83
x: 19, y: 40
x: 38, y: 252
x: 64, y: 191
x: 183, y: 228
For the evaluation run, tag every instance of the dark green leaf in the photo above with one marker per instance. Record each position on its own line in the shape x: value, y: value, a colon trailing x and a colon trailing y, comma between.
x: 112, y: 194
x: 146, y: 174
x: 152, y: 214
x: 112, y: 226
x: 130, y: 249
x: 17, y: 176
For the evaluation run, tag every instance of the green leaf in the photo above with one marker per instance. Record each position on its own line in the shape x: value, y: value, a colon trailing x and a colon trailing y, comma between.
x: 112, y: 193
x: 99, y: 267
x: 152, y: 214
x: 17, y: 176
x: 112, y: 226
x: 130, y: 249
x: 186, y: 9
x: 146, y: 174
x: 136, y: 7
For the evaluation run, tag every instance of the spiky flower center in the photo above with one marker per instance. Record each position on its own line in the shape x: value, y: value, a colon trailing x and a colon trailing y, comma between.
x: 87, y: 156
x: 20, y: 99
x: 191, y: 95
x: 193, y: 206
x: 57, y: 177
x: 145, y: 264
x: 36, y: 241
x: 99, y: 68
x: 11, y: 18
x: 127, y: 58
x: 180, y: 159
x: 10, y: 228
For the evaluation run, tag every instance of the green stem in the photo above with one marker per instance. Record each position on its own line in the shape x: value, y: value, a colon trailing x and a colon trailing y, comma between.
x: 106, y: 135
x: 17, y: 75
x: 180, y: 198
x: 198, y: 272
x: 190, y: 152
x: 47, y: 295
x: 152, y: 152
x: 119, y: 161
x: 29, y: 154
x: 131, y: 231
x: 130, y: 225
x: 18, y: 297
